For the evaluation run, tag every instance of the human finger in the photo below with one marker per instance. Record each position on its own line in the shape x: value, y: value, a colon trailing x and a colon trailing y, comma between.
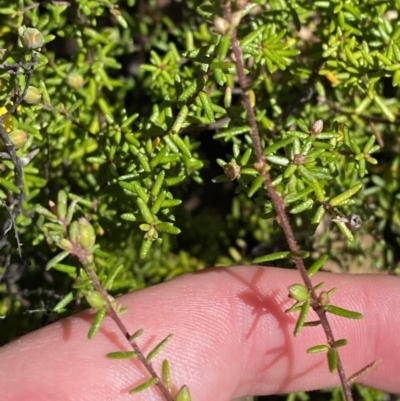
x: 231, y: 337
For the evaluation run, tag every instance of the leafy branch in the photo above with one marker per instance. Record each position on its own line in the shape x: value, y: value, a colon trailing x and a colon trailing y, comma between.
x: 79, y: 240
x: 126, y: 87
x: 26, y: 69
x: 279, y: 204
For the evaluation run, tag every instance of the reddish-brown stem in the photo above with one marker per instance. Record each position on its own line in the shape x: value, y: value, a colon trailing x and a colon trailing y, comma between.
x: 117, y: 320
x: 278, y: 202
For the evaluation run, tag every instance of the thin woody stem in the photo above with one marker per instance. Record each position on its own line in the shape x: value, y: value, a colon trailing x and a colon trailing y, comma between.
x: 278, y: 202
x: 117, y: 320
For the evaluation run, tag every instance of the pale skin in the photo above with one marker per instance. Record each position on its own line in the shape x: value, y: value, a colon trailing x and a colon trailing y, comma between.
x: 231, y: 338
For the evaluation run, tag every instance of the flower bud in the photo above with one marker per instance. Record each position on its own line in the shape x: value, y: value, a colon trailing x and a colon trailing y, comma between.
x: 18, y: 137
x: 95, y: 299
x: 31, y: 38
x: 33, y: 95
x: 299, y: 159
x: 298, y: 292
x: 75, y: 80
x: 86, y: 234
x: 221, y: 25
x: 316, y: 127
x: 236, y: 17
x: 183, y: 394
x: 151, y: 234
x: 231, y: 170
x: 323, y: 298
x: 66, y: 244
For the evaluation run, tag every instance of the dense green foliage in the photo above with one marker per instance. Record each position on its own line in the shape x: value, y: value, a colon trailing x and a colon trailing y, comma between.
x: 134, y: 120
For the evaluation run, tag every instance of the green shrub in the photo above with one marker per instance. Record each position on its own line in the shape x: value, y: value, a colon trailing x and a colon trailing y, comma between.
x: 130, y: 116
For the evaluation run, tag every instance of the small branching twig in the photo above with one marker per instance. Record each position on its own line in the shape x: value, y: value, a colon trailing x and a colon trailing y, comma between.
x: 12, y: 224
x: 278, y: 202
x: 117, y: 320
x: 364, y: 370
x: 81, y: 243
x: 28, y: 69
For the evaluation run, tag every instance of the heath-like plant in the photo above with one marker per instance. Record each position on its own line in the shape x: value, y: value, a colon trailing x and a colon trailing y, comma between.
x: 121, y: 125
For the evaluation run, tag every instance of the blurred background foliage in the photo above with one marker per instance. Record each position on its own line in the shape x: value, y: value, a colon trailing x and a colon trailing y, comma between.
x: 133, y: 119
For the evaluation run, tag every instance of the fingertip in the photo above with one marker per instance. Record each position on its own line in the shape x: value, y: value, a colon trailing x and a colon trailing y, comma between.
x: 231, y: 338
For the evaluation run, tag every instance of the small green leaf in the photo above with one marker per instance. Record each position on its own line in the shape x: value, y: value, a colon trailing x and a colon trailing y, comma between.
x: 385, y: 110
x: 278, y: 145
x: 273, y: 256
x: 174, y: 180
x: 158, y: 183
x: 317, y: 265
x: 197, y: 85
x: 339, y: 199
x: 58, y: 258
x: 229, y: 133
x: 299, y: 134
x: 65, y: 269
x: 220, y: 77
x: 180, y: 119
x: 252, y: 36
x: 46, y: 213
x: 145, y: 211
x: 345, y: 230
x: 293, y: 197
x: 319, y: 214
x: 279, y: 160
x: 135, y: 335
x: 335, y: 310
x: 177, y: 140
x: 128, y: 216
x: 143, y: 386
x: 171, y: 203
x: 246, y: 156
x: 206, y: 103
x: 144, y: 162
x: 317, y: 348
x: 312, y: 323
x: 302, y: 125
x: 159, y: 156
x: 294, y: 308
x: 111, y: 277
x: 64, y: 302
x: 98, y: 319
x: 166, y: 375
x: 307, y: 204
x: 158, y: 202
x: 290, y: 170
x: 340, y: 343
x: 62, y: 204
x: 369, y: 144
x: 158, y: 347
x: 302, y: 317
x: 319, y: 285
x: 256, y: 185
x: 122, y: 355
x: 145, y: 247
x: 332, y: 359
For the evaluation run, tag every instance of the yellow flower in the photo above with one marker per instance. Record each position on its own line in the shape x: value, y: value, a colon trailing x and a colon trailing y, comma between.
x: 8, y: 120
